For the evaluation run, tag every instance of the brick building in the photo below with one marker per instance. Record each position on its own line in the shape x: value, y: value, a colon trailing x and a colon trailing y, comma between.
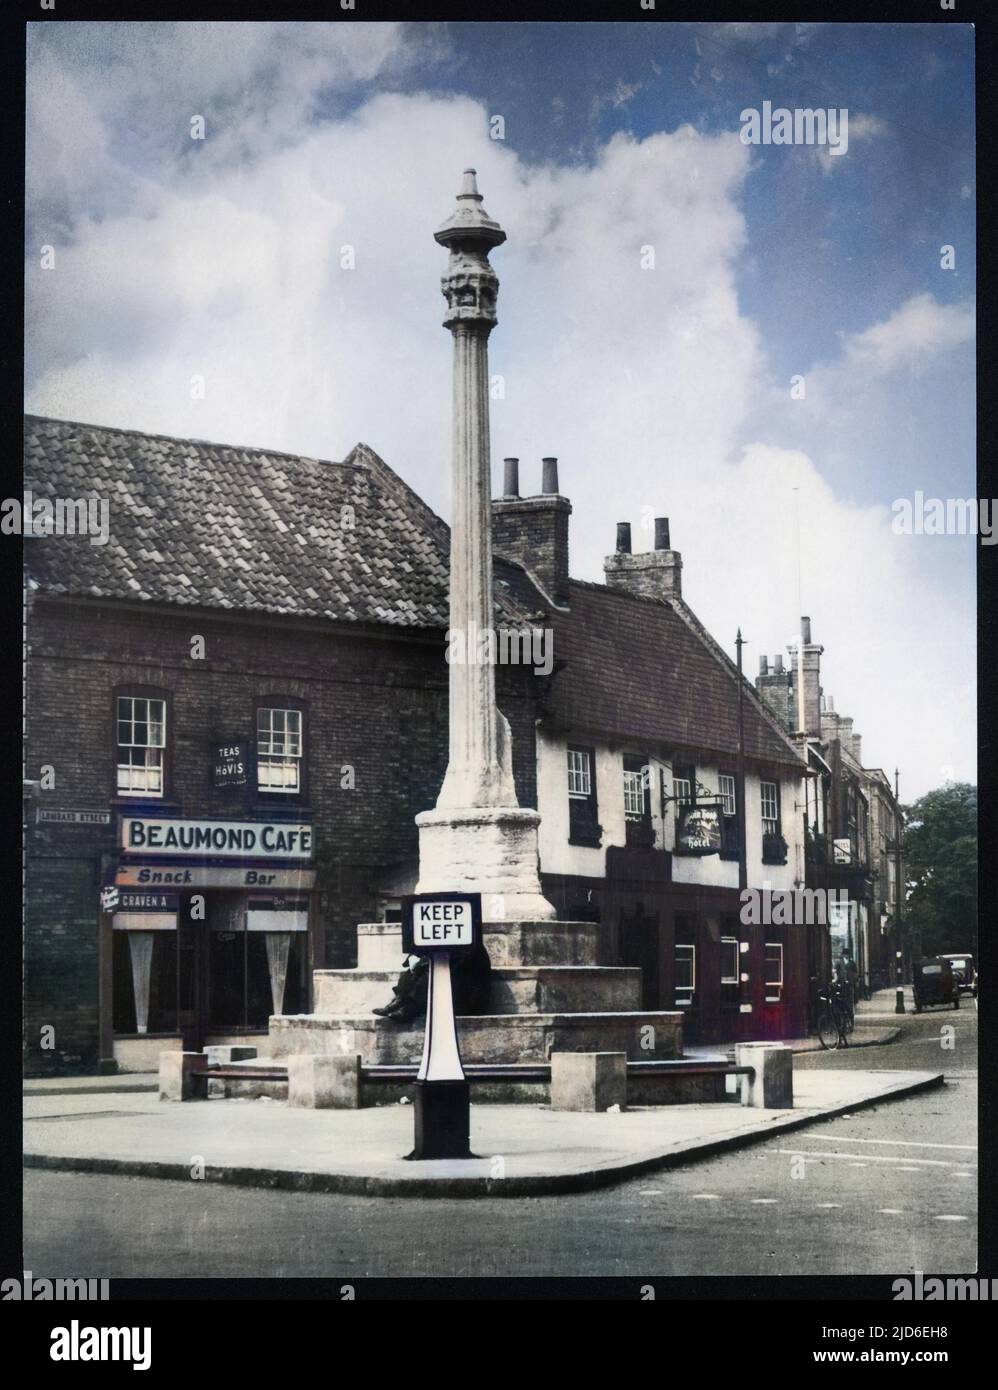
x: 237, y: 706
x: 853, y: 822
x: 195, y: 639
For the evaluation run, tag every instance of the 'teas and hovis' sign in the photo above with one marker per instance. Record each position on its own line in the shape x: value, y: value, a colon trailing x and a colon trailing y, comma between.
x: 219, y: 839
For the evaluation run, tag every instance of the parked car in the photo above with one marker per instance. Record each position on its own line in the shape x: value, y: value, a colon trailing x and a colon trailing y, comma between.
x: 934, y: 983
x: 962, y: 965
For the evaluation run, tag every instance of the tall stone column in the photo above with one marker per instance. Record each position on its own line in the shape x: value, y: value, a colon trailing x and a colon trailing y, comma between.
x: 478, y: 839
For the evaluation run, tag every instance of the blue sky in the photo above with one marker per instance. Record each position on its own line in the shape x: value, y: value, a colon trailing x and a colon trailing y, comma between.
x: 664, y: 391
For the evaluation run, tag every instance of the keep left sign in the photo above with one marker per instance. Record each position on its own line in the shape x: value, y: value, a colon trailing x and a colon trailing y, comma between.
x: 442, y: 924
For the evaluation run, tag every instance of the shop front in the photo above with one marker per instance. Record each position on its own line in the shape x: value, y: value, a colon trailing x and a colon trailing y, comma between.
x: 207, y: 930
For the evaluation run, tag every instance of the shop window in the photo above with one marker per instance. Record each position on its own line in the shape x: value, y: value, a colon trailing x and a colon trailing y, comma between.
x: 146, y: 982
x: 279, y: 750
x: 141, y: 745
x: 583, y: 826
x: 257, y: 964
x: 773, y: 977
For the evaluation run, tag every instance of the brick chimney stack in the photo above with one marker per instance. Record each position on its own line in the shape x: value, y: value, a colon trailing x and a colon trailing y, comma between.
x: 653, y: 573
x: 534, y: 530
x: 812, y: 680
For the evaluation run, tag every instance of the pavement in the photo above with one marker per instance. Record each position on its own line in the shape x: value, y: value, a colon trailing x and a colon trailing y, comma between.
x: 525, y: 1150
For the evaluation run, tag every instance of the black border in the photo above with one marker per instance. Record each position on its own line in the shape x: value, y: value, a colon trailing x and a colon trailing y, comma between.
x: 792, y: 1345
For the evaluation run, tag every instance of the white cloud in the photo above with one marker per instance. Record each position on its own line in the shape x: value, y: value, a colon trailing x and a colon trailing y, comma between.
x: 912, y: 336
x: 224, y: 261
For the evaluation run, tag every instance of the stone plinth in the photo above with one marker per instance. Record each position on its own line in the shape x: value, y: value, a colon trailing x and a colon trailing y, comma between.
x: 490, y: 850
x: 515, y: 990
x: 528, y: 1037
x: 512, y: 942
x: 588, y: 1080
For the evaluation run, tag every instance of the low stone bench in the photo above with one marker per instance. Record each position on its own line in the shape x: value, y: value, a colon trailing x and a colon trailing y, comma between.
x: 771, y: 1087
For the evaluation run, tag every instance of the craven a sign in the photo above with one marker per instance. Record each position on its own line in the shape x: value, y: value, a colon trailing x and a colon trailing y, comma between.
x: 216, y: 839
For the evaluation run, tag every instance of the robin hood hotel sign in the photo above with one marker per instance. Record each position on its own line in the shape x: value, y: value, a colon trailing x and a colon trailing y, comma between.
x: 216, y: 839
x: 699, y: 830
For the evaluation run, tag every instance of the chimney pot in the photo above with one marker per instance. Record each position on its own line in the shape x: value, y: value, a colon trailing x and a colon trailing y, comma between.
x: 805, y: 630
x: 511, y: 478
x: 549, y: 475
x: 662, y: 533
x: 764, y: 666
x: 623, y: 538
x: 778, y: 665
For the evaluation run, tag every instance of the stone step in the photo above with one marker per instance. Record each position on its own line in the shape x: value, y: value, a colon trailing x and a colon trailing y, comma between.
x: 490, y: 1038
x: 515, y: 990
x: 513, y: 943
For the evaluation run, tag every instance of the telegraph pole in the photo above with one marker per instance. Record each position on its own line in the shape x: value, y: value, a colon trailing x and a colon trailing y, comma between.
x: 899, y: 900
x: 742, y: 866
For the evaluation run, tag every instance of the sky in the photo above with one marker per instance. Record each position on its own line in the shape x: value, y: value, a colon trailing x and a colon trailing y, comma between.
x: 795, y: 360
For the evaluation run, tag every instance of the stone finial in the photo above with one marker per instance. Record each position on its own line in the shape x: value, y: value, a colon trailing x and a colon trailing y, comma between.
x: 470, y: 285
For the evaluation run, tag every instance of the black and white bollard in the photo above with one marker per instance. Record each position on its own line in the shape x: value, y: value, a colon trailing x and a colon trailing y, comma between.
x: 437, y: 925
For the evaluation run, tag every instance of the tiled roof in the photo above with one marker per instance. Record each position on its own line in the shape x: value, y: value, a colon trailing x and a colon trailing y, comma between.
x: 649, y: 673
x: 212, y: 526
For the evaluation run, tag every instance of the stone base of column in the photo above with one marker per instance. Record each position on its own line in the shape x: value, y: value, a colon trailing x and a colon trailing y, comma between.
x: 490, y: 850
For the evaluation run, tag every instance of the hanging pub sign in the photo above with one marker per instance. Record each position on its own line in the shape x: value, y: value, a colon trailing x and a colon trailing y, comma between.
x: 229, y: 763
x: 699, y: 830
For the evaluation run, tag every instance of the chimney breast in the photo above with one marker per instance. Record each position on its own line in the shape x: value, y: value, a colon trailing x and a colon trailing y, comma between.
x: 533, y: 531
x: 511, y: 478
x: 653, y: 574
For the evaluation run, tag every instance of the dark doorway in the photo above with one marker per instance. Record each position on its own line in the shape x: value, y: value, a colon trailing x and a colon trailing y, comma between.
x: 639, y: 935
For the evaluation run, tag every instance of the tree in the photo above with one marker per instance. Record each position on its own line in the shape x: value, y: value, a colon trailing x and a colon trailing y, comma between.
x: 940, y: 854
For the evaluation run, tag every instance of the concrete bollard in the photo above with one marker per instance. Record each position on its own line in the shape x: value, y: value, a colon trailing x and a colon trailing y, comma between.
x: 324, y: 1081
x: 772, y: 1086
x: 588, y: 1080
x: 176, y: 1081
